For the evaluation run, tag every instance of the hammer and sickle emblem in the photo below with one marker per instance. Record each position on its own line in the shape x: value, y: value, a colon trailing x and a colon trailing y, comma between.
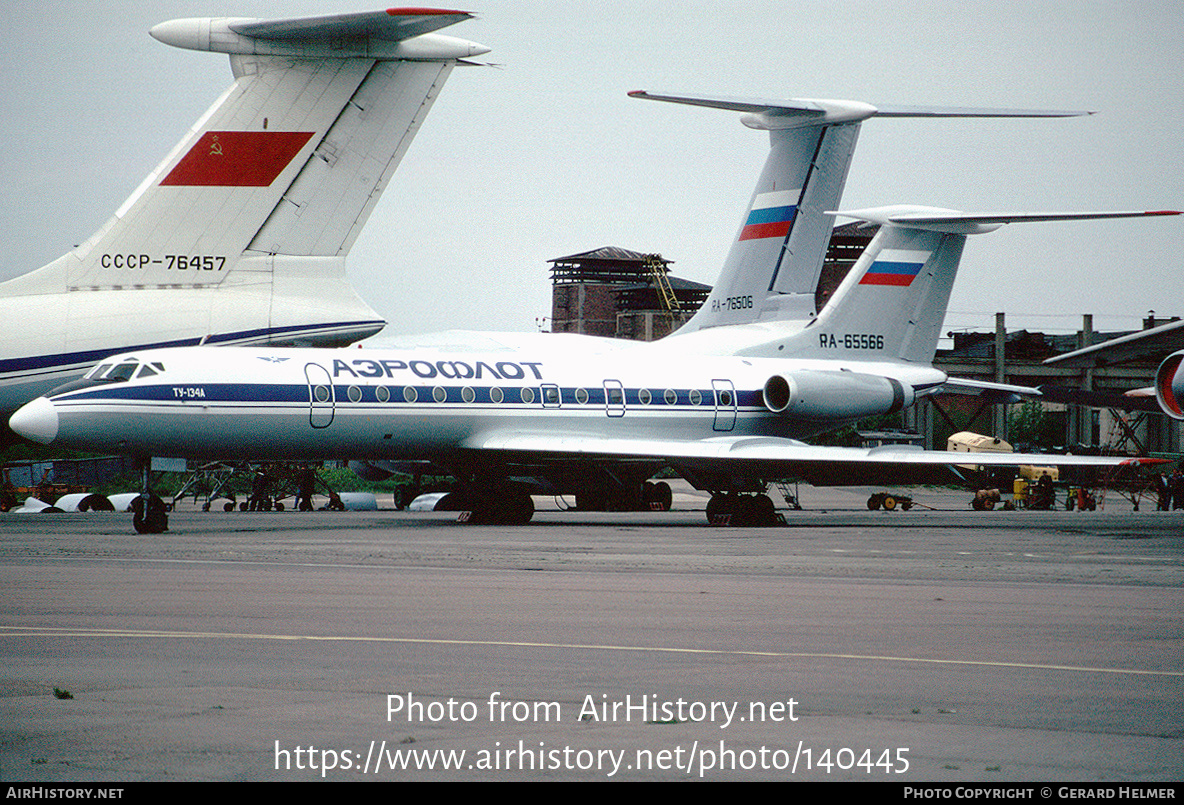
x: 215, y: 147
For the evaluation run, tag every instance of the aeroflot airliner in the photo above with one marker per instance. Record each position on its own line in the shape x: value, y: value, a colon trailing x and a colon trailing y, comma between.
x: 724, y: 401
x: 240, y: 235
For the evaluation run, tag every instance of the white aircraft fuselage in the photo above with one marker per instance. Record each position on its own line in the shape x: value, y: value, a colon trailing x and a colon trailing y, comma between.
x: 431, y: 404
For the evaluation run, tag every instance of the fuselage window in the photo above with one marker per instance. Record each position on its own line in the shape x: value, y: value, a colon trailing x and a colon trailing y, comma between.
x: 467, y: 394
x: 696, y: 397
x: 355, y: 394
x: 382, y: 394
x: 439, y: 394
x: 725, y: 398
x: 645, y: 396
x: 410, y: 394
x: 528, y: 395
x: 582, y: 396
x: 551, y: 395
x: 615, y: 396
x: 322, y: 393
x: 496, y: 394
x: 670, y: 397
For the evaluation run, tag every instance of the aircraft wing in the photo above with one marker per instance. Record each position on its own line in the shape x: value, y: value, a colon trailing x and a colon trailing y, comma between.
x: 1146, y: 343
x: 1135, y: 400
x: 996, y: 392
x: 771, y: 457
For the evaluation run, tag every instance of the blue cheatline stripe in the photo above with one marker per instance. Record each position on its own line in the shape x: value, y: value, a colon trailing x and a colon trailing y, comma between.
x: 298, y: 393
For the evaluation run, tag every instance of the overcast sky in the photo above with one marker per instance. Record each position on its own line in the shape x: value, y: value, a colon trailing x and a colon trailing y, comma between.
x: 546, y: 155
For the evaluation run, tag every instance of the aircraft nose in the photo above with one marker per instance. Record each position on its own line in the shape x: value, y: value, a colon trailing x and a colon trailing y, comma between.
x: 37, y: 421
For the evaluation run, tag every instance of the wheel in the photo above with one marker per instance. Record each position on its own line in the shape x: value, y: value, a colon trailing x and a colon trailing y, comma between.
x: 661, y: 494
x: 764, y: 513
x: 906, y: 505
x: 149, y: 516
x: 228, y: 507
x: 889, y: 503
x: 873, y: 502
x: 715, y: 507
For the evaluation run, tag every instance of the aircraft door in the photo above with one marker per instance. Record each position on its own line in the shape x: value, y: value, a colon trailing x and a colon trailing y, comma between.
x: 321, y: 397
x: 725, y: 405
x: 614, y: 398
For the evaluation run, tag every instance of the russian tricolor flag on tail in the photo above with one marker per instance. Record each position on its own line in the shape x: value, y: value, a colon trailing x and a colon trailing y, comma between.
x: 896, y: 267
x: 771, y: 215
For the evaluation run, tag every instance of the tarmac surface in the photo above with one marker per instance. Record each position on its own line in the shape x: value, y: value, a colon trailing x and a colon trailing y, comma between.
x: 936, y: 645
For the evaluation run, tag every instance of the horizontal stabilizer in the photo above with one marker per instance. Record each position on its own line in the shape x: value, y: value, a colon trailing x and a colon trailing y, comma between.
x: 404, y: 34
x: 764, y: 113
x: 934, y: 219
x: 393, y: 25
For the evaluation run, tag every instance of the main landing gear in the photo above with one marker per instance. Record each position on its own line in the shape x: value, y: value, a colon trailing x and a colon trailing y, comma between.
x: 149, y: 512
x: 497, y: 506
x: 735, y: 509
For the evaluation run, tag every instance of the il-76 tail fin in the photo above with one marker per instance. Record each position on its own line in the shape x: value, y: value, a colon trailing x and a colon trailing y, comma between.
x: 772, y: 269
x: 288, y: 163
x: 892, y: 303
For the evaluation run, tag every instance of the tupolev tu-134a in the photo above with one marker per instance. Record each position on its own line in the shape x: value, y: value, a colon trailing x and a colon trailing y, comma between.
x: 725, y: 401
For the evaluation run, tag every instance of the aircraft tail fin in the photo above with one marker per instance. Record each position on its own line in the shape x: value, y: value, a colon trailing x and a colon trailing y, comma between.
x: 892, y: 303
x: 772, y: 269
x: 284, y: 169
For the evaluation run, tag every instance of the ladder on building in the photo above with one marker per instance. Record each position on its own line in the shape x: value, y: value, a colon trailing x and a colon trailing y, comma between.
x: 657, y: 268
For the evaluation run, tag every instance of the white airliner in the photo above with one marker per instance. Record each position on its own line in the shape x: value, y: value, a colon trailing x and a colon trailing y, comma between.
x: 724, y: 401
x: 240, y: 235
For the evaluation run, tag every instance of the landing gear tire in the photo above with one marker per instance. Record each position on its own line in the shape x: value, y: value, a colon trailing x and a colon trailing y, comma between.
x: 741, y: 510
x: 656, y: 496
x: 150, y: 515
x: 495, y: 507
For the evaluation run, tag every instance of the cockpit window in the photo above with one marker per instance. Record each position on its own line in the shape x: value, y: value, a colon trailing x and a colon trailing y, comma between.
x: 123, y: 371
x: 118, y: 372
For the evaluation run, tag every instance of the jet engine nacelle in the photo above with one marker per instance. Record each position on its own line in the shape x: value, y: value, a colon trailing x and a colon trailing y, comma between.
x: 1169, y: 385
x: 835, y: 395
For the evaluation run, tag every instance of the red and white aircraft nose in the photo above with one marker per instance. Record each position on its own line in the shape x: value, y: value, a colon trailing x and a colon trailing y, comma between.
x: 36, y: 421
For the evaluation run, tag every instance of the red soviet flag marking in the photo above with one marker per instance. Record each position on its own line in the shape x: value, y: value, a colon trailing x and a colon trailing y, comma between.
x: 237, y: 158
